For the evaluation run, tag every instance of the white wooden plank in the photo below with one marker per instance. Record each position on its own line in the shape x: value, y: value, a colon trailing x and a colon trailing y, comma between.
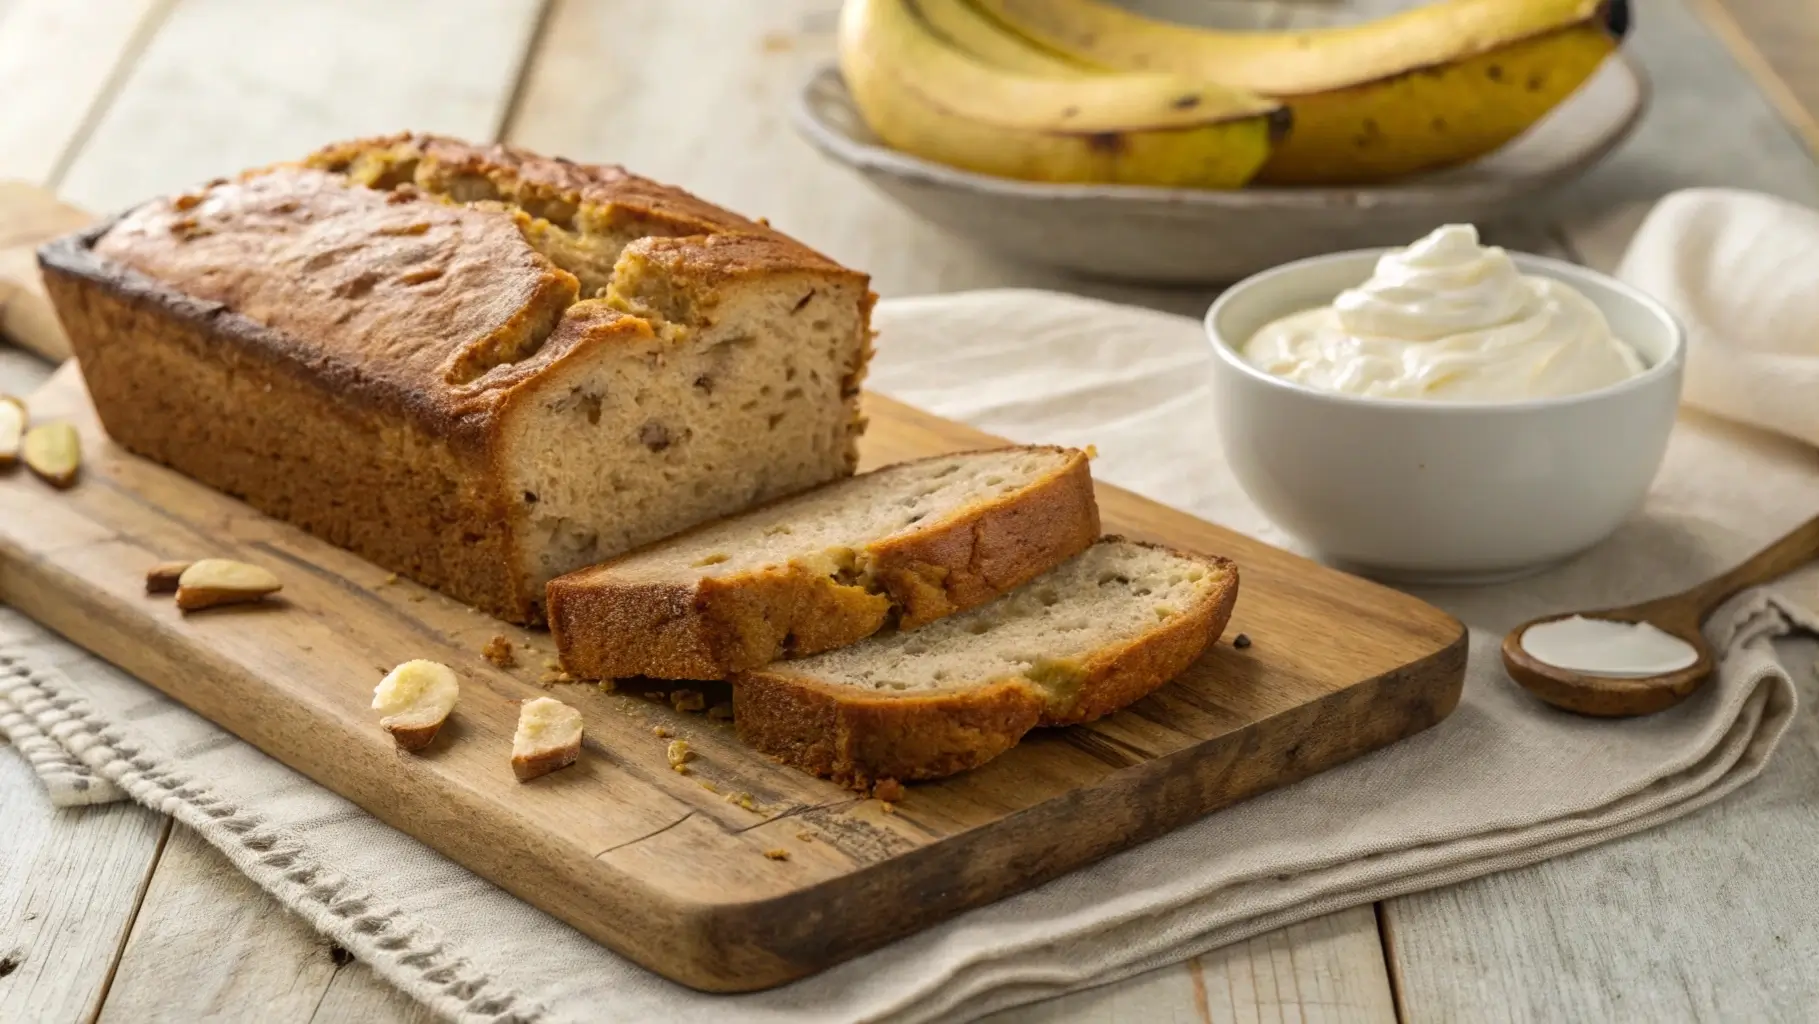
x: 57, y: 60
x: 208, y: 944
x: 72, y: 881
x: 227, y: 84
x: 1325, y: 971
x: 1707, y: 125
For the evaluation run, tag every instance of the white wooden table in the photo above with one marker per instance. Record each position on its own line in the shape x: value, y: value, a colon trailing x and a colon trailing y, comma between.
x: 113, y: 913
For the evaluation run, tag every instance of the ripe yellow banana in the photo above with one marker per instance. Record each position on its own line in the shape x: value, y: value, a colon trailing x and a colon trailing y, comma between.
x: 1426, y: 88
x: 925, y: 95
x: 971, y: 31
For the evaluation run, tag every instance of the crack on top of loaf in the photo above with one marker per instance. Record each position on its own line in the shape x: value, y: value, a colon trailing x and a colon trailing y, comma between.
x: 583, y: 235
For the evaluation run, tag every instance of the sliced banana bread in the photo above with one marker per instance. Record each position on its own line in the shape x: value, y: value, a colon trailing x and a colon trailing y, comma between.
x: 911, y: 542
x: 473, y: 365
x: 1076, y: 643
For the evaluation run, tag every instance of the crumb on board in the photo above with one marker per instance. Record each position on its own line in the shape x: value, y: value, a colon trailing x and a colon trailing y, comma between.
x: 888, y: 789
x: 555, y: 676
x: 679, y: 755
x: 390, y: 578
x: 498, y: 650
x: 1241, y: 641
x: 656, y: 695
x: 778, y: 854
x: 687, y: 700
x: 606, y: 686
x: 552, y: 664
x: 743, y: 800
x: 887, y: 807
x: 710, y: 787
x: 660, y: 732
x: 721, y: 712
x: 417, y: 598
x: 806, y: 836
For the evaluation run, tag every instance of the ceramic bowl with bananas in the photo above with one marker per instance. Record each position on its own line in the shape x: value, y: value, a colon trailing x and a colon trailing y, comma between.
x: 1085, y: 135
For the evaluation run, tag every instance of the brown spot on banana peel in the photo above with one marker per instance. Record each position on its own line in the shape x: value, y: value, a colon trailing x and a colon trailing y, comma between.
x: 1107, y: 142
x: 1616, y: 17
x: 1280, y: 122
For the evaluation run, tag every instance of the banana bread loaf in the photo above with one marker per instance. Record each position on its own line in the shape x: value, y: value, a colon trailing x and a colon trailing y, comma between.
x: 474, y: 366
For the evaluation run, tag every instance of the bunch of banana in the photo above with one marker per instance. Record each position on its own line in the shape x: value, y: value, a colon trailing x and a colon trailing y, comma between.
x: 1429, y: 87
x: 937, y: 79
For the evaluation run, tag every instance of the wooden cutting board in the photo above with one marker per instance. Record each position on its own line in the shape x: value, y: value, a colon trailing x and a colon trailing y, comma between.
x: 669, y: 869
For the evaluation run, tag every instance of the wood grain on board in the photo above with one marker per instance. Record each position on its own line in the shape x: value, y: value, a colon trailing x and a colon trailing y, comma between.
x: 1700, y: 94
x: 661, y: 866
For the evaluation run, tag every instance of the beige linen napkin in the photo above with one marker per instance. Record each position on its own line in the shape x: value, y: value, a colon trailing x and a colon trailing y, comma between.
x: 1504, y: 782
x: 1741, y: 271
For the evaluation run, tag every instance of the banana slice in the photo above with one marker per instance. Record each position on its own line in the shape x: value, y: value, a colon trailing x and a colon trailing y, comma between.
x: 548, y: 738
x: 414, y: 700
x: 1426, y: 88
x: 13, y: 419
x: 926, y: 95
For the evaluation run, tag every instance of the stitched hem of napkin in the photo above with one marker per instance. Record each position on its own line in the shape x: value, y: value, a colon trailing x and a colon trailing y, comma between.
x: 32, y: 722
x: 407, y: 953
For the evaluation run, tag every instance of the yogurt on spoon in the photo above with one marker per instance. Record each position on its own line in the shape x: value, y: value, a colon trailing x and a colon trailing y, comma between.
x: 1448, y: 319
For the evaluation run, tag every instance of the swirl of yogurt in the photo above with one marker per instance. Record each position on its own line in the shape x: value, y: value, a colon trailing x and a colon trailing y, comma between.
x: 1450, y: 320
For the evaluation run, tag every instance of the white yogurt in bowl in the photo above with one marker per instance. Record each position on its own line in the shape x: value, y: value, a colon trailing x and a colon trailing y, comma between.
x: 1448, y: 319
x: 1446, y: 411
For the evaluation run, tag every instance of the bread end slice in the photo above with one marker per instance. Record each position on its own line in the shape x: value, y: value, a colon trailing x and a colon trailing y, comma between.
x: 827, y: 568
x: 548, y: 738
x: 415, y: 699
x: 882, y: 709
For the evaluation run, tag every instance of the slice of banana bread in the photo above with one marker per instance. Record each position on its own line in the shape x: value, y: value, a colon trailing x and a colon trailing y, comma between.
x: 911, y: 542
x: 1079, y: 642
x: 474, y: 366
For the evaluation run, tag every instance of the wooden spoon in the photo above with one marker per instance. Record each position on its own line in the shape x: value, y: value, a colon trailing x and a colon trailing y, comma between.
x: 1680, y: 615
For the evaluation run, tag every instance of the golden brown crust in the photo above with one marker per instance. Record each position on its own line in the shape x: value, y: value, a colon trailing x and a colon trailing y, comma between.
x: 856, y: 736
x: 711, y: 627
x: 415, y: 737
x: 346, y: 357
x: 857, y: 739
x: 529, y: 766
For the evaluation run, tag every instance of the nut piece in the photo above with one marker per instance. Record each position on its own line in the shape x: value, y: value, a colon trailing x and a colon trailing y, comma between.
x: 54, y: 452
x: 415, y: 699
x: 214, y: 581
x: 679, y: 755
x: 12, y: 429
x: 548, y: 738
x: 498, y: 650
x: 687, y: 700
x: 162, y: 578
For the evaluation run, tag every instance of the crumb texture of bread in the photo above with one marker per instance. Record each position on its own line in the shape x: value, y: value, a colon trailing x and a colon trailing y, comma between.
x: 475, y: 366
x: 1075, y: 644
x: 548, y: 737
x: 908, y: 544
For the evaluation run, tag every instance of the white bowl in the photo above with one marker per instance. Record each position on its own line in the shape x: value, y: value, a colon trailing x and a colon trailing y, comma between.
x: 1210, y: 236
x: 1420, y: 491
